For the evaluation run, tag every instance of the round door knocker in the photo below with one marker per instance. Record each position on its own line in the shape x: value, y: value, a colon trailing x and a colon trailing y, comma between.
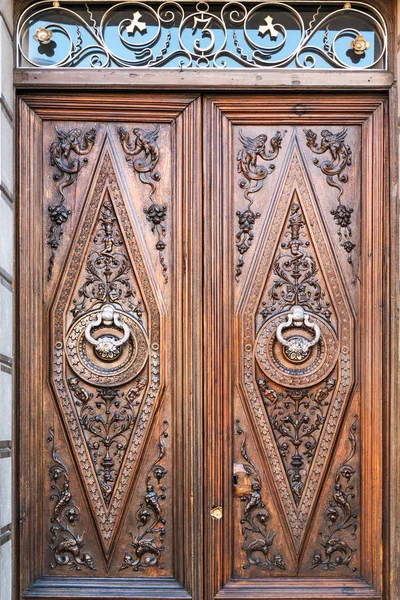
x: 296, y: 348
x: 107, y: 347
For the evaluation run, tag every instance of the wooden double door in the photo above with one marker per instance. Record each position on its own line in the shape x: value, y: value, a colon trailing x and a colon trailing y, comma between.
x: 201, y: 342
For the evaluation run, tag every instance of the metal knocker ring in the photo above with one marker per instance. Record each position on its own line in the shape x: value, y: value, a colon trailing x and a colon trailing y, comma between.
x: 297, y: 348
x: 107, y: 347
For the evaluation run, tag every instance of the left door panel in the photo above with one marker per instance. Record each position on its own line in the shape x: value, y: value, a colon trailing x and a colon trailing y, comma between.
x: 104, y: 318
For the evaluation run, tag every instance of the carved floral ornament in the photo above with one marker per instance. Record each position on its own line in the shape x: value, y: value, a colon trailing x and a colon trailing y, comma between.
x: 217, y: 35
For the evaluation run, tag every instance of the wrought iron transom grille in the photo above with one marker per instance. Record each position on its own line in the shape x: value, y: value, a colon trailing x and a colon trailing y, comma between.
x: 309, y: 35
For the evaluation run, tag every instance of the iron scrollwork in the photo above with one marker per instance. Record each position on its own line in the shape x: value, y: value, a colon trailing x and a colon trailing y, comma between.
x: 66, y: 545
x: 255, y: 518
x: 340, y: 515
x: 146, y: 150
x: 254, y: 173
x: 67, y: 167
x: 148, y: 545
x: 334, y: 168
x: 235, y: 34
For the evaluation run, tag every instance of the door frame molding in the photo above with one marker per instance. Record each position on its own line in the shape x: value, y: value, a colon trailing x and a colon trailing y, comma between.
x: 33, y: 92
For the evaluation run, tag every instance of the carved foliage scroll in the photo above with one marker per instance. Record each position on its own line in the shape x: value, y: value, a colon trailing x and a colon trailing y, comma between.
x: 147, y: 152
x: 66, y: 543
x: 148, y: 544
x: 64, y: 156
x: 257, y: 537
x: 254, y: 173
x: 340, y: 516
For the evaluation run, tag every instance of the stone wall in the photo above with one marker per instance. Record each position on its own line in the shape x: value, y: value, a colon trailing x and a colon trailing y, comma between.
x: 6, y: 287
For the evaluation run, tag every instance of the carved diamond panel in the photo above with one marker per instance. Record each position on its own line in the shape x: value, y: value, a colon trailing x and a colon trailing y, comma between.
x: 297, y: 329
x: 106, y: 366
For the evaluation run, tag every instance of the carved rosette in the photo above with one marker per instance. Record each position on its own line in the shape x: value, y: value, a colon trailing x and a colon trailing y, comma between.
x: 296, y: 297
x: 106, y: 369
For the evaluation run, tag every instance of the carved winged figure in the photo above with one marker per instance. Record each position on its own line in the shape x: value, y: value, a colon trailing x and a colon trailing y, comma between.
x: 324, y: 391
x: 147, y: 554
x: 65, y: 544
x: 255, y: 517
x: 149, y: 545
x: 337, y: 553
x: 71, y: 549
x: 268, y: 393
x: 340, y: 515
x: 340, y: 156
x: 254, y: 148
x: 60, y: 153
x: 146, y: 142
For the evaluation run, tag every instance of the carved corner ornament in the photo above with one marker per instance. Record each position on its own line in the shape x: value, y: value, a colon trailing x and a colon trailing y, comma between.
x: 340, y: 157
x: 64, y: 153
x: 254, y: 175
x: 340, y: 516
x: 258, y: 540
x: 143, y: 153
x: 148, y: 545
x: 66, y: 544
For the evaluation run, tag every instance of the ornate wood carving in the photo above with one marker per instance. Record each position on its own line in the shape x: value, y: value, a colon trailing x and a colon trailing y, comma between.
x: 98, y: 331
x: 296, y: 282
x: 291, y: 273
x: 66, y: 544
x: 148, y: 544
x: 108, y: 269
x: 254, y: 173
x: 334, y: 169
x: 62, y: 151
x: 107, y: 418
x: 297, y: 417
x: 340, y: 516
x: 255, y: 519
x: 146, y: 149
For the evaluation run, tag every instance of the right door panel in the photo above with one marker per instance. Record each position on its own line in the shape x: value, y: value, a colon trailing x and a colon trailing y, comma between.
x: 296, y: 209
